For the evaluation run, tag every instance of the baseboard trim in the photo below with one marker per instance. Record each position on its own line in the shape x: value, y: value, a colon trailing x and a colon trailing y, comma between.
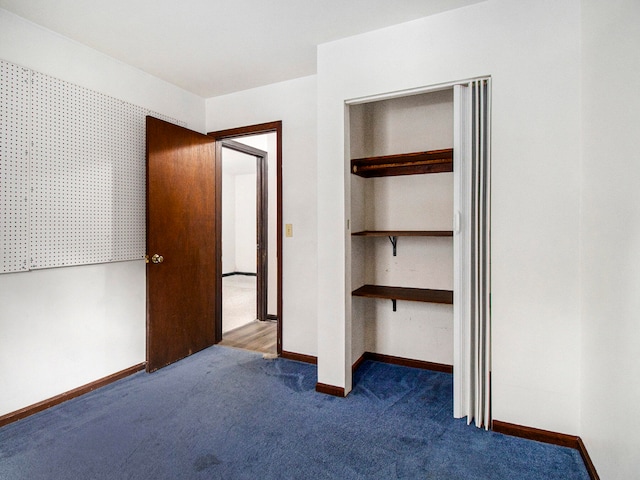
x: 272, y: 318
x: 63, y: 397
x: 536, y: 434
x: 591, y: 468
x: 299, y: 357
x: 320, y: 387
x: 377, y: 357
x: 330, y: 389
x: 405, y: 362
x: 358, y: 362
x: 546, y: 436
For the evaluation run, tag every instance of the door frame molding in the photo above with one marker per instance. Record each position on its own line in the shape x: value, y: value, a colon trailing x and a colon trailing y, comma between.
x: 230, y: 134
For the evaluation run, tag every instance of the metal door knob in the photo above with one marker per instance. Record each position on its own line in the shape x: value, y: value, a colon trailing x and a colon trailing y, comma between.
x: 157, y: 258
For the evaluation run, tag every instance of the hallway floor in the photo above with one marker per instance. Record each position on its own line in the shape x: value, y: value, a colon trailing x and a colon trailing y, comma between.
x: 240, y: 327
x: 238, y: 301
x: 257, y: 336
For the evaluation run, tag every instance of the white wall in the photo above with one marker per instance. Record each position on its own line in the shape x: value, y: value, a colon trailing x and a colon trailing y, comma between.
x: 228, y: 221
x: 66, y: 327
x: 611, y: 236
x: 272, y: 289
x: 293, y: 102
x: 245, y: 216
x: 531, y: 49
x: 239, y: 221
x: 268, y: 142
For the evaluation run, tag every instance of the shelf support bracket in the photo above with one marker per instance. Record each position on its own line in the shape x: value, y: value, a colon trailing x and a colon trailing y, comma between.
x: 394, y: 242
x: 393, y: 301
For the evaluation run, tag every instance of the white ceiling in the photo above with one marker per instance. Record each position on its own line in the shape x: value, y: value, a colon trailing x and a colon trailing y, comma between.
x: 213, y: 47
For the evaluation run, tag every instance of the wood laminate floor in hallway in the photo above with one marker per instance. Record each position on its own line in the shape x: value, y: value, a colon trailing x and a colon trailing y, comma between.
x: 257, y: 336
x: 239, y: 325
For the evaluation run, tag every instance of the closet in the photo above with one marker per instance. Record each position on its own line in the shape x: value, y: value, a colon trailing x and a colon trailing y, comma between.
x: 401, y: 220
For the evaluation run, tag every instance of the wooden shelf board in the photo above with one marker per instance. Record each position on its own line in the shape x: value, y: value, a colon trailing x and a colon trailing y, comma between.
x: 433, y: 161
x: 404, y: 233
x: 403, y: 293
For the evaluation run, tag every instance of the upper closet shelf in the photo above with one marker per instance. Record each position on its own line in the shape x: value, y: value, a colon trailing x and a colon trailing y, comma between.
x: 433, y: 161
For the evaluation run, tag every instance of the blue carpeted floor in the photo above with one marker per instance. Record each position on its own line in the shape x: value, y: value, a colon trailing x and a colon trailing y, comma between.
x: 229, y: 414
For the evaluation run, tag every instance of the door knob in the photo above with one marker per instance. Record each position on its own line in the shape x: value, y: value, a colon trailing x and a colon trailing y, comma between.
x: 157, y: 258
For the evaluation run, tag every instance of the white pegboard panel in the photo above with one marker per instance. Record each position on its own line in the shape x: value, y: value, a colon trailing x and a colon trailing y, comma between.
x: 87, y: 176
x: 14, y: 167
x: 72, y: 173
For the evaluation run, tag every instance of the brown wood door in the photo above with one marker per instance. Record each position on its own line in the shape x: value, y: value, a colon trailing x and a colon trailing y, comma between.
x: 181, y: 228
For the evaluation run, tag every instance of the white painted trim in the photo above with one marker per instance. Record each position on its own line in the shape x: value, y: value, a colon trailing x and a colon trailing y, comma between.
x: 411, y: 91
x: 461, y: 138
x: 348, y: 298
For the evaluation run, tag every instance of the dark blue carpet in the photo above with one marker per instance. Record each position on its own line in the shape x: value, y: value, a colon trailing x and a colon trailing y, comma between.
x: 229, y: 414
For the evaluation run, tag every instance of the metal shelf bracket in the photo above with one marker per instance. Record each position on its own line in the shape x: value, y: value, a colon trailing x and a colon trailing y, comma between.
x: 394, y: 241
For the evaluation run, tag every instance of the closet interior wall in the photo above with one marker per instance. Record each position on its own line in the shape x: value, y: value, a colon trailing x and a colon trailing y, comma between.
x: 416, y: 330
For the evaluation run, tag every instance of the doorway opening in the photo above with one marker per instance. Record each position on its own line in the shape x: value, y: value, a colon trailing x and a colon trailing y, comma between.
x: 245, y: 245
x: 248, y: 214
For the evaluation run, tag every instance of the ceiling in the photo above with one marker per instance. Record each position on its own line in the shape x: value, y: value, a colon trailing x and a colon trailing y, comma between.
x: 214, y: 47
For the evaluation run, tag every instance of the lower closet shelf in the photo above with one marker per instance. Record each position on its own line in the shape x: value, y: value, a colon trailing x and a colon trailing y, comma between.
x: 403, y: 293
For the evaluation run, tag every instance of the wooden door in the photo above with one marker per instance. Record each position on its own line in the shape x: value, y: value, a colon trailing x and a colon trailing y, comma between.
x: 181, y: 243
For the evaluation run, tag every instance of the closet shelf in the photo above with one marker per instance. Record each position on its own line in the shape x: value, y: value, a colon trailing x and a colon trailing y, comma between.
x: 432, y: 161
x: 403, y: 293
x: 404, y: 233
